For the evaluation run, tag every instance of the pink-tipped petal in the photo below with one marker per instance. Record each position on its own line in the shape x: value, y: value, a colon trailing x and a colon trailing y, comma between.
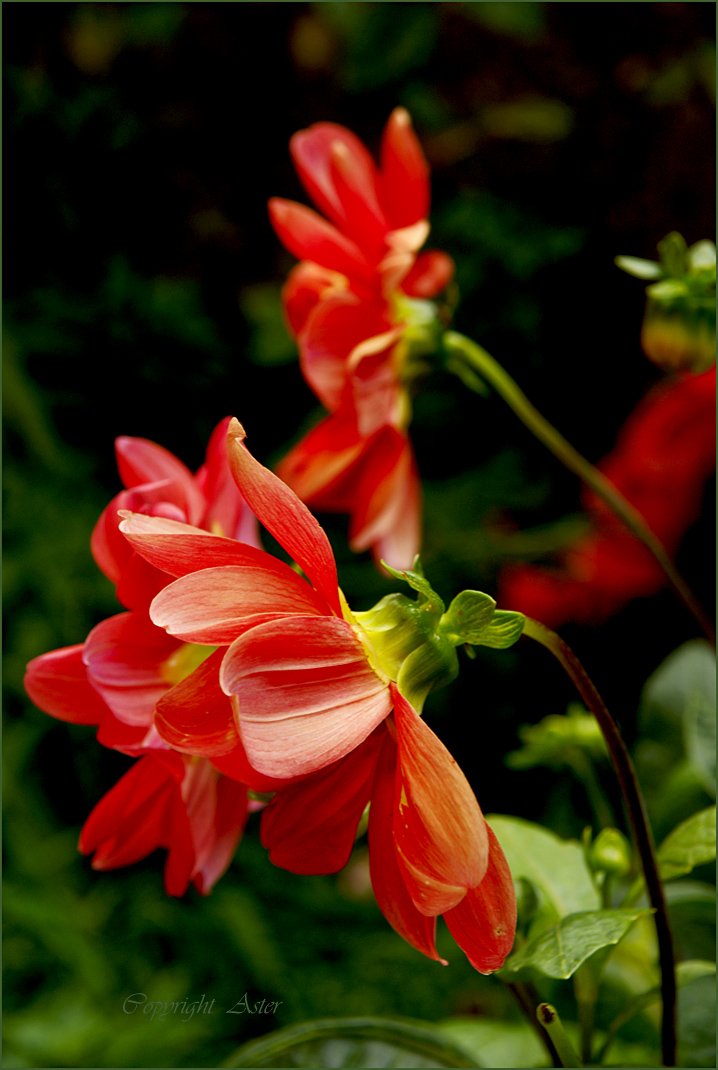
x: 440, y: 833
x: 387, y: 881
x: 404, y: 173
x: 306, y: 693
x: 311, y: 827
x: 309, y: 237
x: 216, y: 605
x: 285, y: 517
x: 125, y: 657
x: 178, y: 549
x: 57, y: 682
x: 141, y: 461
x: 484, y: 923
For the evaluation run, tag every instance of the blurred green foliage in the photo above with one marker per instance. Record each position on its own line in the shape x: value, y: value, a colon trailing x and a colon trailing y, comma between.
x: 144, y: 299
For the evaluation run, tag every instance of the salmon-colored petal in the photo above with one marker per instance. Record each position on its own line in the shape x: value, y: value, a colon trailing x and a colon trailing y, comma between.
x: 195, y: 716
x: 338, y: 325
x: 141, y: 461
x: 321, y: 468
x: 387, y: 881
x: 57, y: 682
x: 216, y: 605
x: 440, y: 833
x: 285, y: 517
x: 305, y: 691
x: 178, y: 549
x: 484, y: 923
x: 311, y: 827
x: 126, y: 660
x: 309, y: 237
x: 235, y: 765
x: 225, y: 511
x: 386, y: 513
x: 110, y: 549
x: 404, y: 173
x: 229, y: 820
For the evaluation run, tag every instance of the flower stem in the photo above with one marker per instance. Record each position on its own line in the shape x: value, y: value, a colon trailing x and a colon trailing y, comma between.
x: 528, y: 1002
x: 638, y: 818
x: 549, y: 1019
x: 468, y: 360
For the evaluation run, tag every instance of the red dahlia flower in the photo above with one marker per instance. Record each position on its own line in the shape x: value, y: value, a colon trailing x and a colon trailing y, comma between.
x: 313, y: 697
x: 663, y: 457
x: 360, y: 287
x: 127, y: 667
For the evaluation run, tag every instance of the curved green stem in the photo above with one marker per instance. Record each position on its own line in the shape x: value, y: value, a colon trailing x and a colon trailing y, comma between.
x: 549, y: 1019
x: 637, y: 816
x: 468, y: 360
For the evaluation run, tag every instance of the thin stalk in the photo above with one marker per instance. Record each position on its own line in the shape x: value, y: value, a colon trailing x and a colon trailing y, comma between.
x: 549, y: 1019
x: 528, y: 1003
x: 637, y: 816
x: 462, y: 354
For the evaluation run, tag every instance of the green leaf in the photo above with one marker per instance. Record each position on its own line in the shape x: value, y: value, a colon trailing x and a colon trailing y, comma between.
x: 345, y: 1042
x: 496, y: 1043
x: 689, y: 845
x: 640, y: 269
x: 556, y: 868
x: 562, y: 949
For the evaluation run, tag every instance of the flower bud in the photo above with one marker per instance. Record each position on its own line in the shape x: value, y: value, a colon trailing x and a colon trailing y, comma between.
x: 610, y: 853
x: 679, y: 325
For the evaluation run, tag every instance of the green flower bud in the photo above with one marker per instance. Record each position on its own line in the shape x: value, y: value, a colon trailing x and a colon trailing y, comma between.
x: 679, y: 325
x: 610, y: 853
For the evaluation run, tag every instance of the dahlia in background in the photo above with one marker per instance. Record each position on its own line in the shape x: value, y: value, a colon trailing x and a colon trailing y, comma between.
x: 663, y: 457
x: 359, y: 306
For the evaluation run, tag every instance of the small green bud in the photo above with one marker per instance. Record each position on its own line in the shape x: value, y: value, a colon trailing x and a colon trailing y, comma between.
x: 610, y: 853
x: 679, y: 325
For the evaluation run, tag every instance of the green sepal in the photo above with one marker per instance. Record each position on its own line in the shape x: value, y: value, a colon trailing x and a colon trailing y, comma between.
x: 467, y: 618
x: 673, y: 253
x: 429, y: 666
x: 418, y: 582
x: 472, y: 618
x: 639, y: 268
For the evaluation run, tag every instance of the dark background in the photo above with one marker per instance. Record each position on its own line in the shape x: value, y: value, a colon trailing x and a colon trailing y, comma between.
x: 142, y: 287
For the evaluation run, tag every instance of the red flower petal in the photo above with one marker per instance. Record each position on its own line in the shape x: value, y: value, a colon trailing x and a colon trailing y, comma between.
x: 321, y: 468
x: 386, y: 512
x: 404, y: 173
x: 387, y: 881
x: 125, y: 657
x: 57, y: 682
x: 229, y: 818
x: 195, y: 715
x: 484, y: 922
x: 307, y: 284
x: 311, y: 828
x: 309, y: 237
x: 439, y: 830
x: 306, y: 693
x: 141, y: 461
x: 285, y: 517
x: 431, y: 273
x: 314, y: 152
x: 216, y: 605
x: 225, y: 511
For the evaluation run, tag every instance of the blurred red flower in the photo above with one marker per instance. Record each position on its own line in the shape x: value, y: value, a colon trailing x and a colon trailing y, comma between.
x: 361, y: 284
x: 662, y: 459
